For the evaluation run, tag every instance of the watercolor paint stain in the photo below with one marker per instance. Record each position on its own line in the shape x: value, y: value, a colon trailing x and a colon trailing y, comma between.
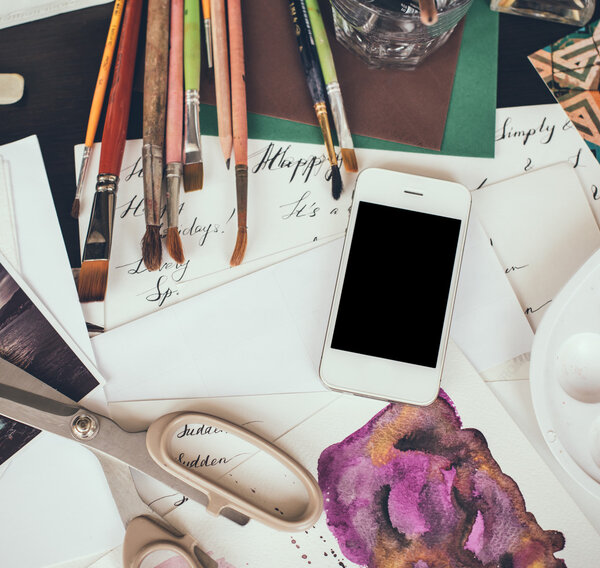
x: 412, y: 488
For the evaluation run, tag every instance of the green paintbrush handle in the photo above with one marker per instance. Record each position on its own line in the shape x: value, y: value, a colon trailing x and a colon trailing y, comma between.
x: 191, y: 44
x: 320, y: 35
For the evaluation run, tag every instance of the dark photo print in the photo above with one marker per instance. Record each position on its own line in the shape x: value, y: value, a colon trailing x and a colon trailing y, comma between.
x: 29, y: 340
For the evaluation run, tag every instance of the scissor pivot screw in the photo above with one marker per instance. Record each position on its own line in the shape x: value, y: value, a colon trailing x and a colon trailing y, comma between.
x: 84, y: 426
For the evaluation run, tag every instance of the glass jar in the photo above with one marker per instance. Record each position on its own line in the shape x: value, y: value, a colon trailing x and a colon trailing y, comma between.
x: 389, y: 33
x: 572, y: 12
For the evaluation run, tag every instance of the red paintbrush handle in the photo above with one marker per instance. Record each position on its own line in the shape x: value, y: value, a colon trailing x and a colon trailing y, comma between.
x: 238, y: 82
x: 175, y: 96
x: 117, y: 112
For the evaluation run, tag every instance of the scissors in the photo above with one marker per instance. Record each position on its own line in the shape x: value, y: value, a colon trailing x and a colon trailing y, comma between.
x: 30, y: 401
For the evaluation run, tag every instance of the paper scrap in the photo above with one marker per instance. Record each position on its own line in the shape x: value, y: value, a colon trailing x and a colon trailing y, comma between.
x: 12, y: 14
x: 542, y: 230
x: 289, y: 205
x: 488, y: 323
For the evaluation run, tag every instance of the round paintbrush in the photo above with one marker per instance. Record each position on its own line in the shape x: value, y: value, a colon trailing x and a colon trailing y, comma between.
x: 154, y: 111
x: 174, y: 145
x: 316, y: 86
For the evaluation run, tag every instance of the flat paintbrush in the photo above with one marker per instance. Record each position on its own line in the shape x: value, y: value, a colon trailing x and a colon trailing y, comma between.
x: 333, y: 87
x: 316, y: 87
x: 93, y: 276
x: 193, y: 170
x: 154, y: 113
x: 98, y: 100
x: 174, y: 169
x: 222, y: 88
x: 240, y: 126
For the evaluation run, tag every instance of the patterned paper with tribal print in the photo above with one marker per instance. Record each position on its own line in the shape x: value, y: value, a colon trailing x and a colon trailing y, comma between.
x: 570, y: 67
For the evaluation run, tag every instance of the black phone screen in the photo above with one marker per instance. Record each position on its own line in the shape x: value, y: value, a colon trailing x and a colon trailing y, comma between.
x: 397, y: 283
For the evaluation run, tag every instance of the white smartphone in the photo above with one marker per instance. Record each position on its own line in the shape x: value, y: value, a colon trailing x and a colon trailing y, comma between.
x: 390, y: 317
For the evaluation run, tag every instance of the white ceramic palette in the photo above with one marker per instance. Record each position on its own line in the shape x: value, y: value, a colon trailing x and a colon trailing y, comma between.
x: 565, y: 375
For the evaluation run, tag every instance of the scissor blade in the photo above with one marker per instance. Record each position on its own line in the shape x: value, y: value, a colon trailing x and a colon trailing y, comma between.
x: 123, y: 489
x: 19, y: 400
x: 35, y: 401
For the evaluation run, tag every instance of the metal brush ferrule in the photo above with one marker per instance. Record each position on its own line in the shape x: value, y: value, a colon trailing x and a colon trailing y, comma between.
x: 321, y: 111
x: 241, y: 192
x: 85, y: 162
x: 99, y: 236
x: 173, y: 173
x: 339, y: 115
x: 208, y: 36
x: 192, y: 150
x: 152, y: 163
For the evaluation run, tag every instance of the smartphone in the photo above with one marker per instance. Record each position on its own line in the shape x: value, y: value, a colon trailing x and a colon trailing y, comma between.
x: 390, y: 316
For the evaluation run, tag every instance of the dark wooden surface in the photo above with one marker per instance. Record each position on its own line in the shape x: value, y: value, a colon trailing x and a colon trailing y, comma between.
x: 59, y: 59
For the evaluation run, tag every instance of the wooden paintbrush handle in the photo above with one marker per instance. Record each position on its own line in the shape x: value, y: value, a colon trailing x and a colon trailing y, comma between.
x: 308, y: 52
x: 191, y: 44
x: 117, y: 113
x: 105, y: 66
x: 155, y: 72
x: 175, y: 97
x: 221, y: 66
x: 238, y: 82
x: 321, y: 40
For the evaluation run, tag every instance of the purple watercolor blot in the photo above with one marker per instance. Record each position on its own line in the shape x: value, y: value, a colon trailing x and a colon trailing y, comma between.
x: 413, y: 489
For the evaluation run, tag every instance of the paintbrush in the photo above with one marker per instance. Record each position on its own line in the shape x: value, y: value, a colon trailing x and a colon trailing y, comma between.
x: 206, y: 17
x: 429, y: 14
x: 154, y: 112
x: 333, y: 87
x: 222, y: 89
x: 93, y: 276
x: 97, y: 101
x: 240, y: 125
x: 174, y: 169
x: 193, y: 172
x: 316, y: 87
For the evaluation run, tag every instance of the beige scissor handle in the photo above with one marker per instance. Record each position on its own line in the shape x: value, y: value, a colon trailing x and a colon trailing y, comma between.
x: 145, y: 536
x: 161, y: 433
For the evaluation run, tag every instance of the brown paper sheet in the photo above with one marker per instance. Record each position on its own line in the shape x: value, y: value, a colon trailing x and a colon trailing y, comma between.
x: 401, y: 106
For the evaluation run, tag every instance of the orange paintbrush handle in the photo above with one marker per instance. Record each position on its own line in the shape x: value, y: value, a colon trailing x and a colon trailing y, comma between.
x: 105, y: 65
x: 238, y: 85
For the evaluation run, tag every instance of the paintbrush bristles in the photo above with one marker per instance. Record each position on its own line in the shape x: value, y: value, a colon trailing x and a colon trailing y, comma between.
x: 174, y: 245
x: 152, y: 248
x: 349, y: 159
x: 240, y: 247
x: 193, y: 176
x: 336, y: 182
x: 92, y: 282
